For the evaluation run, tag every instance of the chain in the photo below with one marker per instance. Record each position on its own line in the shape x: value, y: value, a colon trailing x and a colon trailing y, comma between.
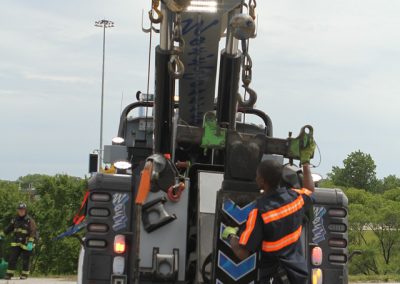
x: 247, y: 65
x: 176, y: 66
x: 247, y: 76
x: 177, y: 37
x: 155, y: 8
x: 252, y: 8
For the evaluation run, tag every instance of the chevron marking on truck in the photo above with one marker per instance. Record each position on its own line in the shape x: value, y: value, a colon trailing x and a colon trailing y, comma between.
x: 220, y: 282
x: 237, y: 213
x: 236, y: 270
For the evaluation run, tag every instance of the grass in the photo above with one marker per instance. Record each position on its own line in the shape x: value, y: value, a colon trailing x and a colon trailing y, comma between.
x: 374, y: 278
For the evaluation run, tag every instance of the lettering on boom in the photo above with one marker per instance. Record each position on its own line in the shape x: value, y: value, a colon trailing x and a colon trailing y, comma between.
x: 318, y: 225
x: 200, y: 58
x: 120, y: 219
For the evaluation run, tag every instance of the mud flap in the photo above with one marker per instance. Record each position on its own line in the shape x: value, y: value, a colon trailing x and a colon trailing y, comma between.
x: 233, y: 208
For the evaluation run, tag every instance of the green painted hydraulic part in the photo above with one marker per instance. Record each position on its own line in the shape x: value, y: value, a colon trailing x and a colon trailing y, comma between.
x: 212, y: 136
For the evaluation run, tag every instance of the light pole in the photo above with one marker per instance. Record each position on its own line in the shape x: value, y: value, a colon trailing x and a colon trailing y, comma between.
x: 103, y: 24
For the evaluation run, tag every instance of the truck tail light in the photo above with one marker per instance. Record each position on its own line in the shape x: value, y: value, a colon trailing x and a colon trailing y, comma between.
x: 100, y: 197
x: 97, y: 228
x: 338, y: 243
x: 96, y: 243
x: 316, y: 256
x: 337, y: 212
x: 340, y: 228
x: 119, y: 265
x: 317, y: 276
x: 119, y: 244
x: 338, y: 258
x: 99, y: 212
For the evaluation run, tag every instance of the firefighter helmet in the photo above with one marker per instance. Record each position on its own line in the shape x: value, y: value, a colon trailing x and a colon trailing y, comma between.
x: 21, y: 205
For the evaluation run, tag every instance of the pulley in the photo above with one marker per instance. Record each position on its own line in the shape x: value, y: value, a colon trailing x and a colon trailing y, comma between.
x: 242, y: 26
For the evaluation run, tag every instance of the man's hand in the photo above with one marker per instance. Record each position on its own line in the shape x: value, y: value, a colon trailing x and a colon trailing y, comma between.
x: 307, y: 148
x: 229, y: 231
x: 29, y: 246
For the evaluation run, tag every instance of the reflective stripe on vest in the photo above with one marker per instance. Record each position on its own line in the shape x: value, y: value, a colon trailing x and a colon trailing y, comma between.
x: 20, y: 230
x: 303, y: 191
x: 20, y: 245
x: 283, y: 242
x: 251, y: 222
x: 282, y: 212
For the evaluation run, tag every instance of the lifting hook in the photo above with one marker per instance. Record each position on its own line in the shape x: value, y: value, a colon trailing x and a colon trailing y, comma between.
x: 158, y: 19
x: 251, y: 101
x: 176, y: 67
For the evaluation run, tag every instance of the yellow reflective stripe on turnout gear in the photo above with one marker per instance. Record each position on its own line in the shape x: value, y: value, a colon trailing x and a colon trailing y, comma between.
x: 21, y: 245
x: 19, y: 230
x: 25, y: 272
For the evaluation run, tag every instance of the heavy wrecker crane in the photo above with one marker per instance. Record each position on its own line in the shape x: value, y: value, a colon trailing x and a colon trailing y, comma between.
x: 183, y: 173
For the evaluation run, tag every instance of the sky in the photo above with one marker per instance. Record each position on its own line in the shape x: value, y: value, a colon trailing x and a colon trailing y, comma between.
x: 332, y: 64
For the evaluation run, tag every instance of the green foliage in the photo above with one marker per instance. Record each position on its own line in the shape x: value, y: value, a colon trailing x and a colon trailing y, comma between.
x: 374, y: 214
x: 390, y: 182
x: 365, y: 263
x: 358, y: 171
x: 9, y: 195
x: 392, y: 194
x: 53, y: 206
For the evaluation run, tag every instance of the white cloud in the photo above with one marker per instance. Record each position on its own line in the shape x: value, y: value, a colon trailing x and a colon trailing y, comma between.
x: 333, y: 64
x: 58, y: 78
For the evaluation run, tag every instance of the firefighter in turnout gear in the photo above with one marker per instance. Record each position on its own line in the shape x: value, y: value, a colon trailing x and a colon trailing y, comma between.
x: 24, y: 229
x: 274, y: 227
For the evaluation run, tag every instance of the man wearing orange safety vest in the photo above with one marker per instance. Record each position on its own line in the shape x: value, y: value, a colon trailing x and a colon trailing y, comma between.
x: 274, y: 227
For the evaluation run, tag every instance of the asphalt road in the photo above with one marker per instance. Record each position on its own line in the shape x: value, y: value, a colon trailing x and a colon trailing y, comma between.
x: 38, y: 281
x: 65, y: 281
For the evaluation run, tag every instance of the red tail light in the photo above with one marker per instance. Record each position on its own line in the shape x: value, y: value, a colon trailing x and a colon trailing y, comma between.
x: 316, y: 256
x: 119, y: 244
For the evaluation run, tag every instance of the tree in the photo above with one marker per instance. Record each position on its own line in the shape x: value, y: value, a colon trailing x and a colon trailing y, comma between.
x: 358, y: 171
x: 391, y: 182
x: 366, y: 263
x: 56, y: 201
x: 385, y: 223
x: 392, y: 194
x: 10, y: 196
x: 60, y: 198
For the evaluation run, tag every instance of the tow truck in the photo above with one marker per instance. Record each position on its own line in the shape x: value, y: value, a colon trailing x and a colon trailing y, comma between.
x: 184, y: 162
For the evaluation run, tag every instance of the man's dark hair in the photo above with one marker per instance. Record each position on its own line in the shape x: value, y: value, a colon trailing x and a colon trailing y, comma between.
x: 271, y: 172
